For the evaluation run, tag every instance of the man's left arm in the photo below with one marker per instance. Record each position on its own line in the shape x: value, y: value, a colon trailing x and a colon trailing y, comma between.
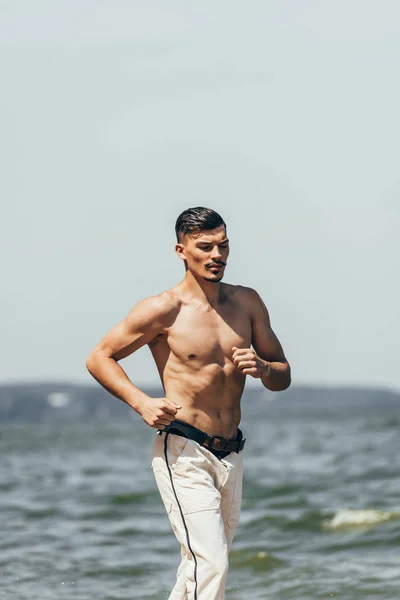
x: 266, y: 359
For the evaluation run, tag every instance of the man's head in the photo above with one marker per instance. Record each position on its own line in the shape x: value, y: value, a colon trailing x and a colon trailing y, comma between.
x: 202, y: 242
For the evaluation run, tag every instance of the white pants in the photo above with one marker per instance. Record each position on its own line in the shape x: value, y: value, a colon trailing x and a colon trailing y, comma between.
x: 202, y: 497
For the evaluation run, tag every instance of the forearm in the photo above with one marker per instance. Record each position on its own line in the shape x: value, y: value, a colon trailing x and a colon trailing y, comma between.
x: 113, y: 378
x: 276, y: 376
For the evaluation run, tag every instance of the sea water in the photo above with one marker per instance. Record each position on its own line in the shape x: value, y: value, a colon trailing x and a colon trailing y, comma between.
x: 81, y: 516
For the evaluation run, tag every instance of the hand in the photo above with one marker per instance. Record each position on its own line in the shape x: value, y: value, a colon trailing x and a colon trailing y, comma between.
x: 249, y: 362
x: 158, y: 412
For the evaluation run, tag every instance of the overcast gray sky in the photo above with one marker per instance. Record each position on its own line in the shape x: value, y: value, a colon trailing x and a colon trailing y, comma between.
x: 282, y: 115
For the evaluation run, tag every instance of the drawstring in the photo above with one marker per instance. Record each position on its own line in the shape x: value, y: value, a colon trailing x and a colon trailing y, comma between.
x: 183, y: 518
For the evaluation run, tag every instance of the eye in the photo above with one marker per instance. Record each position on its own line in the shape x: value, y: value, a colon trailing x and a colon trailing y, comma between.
x: 205, y: 248
x: 223, y: 245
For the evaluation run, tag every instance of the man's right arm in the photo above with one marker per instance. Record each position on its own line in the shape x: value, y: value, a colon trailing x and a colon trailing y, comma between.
x: 146, y: 320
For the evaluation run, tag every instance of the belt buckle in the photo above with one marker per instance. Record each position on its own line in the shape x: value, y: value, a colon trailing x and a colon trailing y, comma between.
x: 222, y: 443
x: 209, y: 440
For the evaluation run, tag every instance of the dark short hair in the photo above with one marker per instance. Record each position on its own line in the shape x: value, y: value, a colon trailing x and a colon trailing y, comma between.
x: 195, y: 220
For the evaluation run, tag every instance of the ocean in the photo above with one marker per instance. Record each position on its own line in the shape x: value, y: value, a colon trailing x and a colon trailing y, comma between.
x: 81, y: 515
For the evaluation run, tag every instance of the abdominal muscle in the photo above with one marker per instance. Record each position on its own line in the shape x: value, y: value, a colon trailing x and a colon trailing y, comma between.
x: 209, y: 396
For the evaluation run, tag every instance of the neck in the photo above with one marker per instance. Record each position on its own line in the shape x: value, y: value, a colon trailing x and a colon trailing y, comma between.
x: 206, y: 291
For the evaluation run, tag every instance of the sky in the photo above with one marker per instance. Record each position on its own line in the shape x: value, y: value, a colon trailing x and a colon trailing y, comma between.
x: 281, y: 115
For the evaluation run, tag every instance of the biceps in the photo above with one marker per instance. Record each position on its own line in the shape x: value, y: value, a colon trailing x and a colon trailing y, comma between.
x: 266, y: 343
x: 121, y: 341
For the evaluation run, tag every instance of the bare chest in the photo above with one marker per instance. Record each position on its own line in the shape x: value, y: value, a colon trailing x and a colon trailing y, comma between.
x: 208, y: 336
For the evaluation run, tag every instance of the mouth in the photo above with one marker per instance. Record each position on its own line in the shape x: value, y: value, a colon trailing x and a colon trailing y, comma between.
x: 215, y: 267
x: 214, y: 270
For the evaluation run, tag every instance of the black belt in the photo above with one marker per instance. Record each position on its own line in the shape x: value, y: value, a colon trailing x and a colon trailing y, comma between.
x: 212, y: 442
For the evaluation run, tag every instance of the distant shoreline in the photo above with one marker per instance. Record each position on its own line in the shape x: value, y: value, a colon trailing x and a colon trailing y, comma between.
x: 55, y: 401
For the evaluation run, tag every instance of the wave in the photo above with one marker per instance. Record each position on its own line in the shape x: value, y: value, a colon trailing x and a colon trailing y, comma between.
x: 350, y: 519
x: 254, y: 558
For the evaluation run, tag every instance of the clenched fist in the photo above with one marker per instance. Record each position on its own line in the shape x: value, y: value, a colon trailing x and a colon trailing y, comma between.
x: 158, y: 412
x: 249, y: 362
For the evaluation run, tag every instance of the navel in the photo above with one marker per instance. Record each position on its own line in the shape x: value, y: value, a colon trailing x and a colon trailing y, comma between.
x: 191, y: 356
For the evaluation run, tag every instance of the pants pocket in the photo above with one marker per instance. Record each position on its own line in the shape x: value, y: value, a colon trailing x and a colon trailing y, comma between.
x: 175, y: 447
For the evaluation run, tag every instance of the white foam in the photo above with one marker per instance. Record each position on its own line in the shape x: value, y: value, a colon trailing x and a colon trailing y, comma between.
x: 359, y: 518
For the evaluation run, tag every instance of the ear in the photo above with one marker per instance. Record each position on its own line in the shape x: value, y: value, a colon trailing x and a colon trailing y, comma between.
x: 179, y: 249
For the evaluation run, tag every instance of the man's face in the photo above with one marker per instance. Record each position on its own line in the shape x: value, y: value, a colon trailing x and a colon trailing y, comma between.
x: 205, y: 253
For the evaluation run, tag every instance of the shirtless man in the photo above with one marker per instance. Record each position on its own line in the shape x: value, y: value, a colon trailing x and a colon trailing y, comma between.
x: 205, y: 337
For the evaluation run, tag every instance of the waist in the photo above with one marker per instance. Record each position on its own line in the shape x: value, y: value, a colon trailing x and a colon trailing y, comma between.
x: 214, y: 443
x: 216, y: 421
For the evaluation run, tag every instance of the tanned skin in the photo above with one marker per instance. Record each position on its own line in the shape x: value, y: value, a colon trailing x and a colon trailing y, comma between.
x: 205, y: 336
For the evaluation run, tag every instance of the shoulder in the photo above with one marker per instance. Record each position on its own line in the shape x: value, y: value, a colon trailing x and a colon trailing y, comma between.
x: 249, y: 299
x: 165, y: 302
x: 159, y: 310
x: 241, y: 293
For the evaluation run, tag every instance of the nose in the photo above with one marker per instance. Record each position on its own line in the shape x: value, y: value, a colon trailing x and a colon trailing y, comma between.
x: 216, y: 253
